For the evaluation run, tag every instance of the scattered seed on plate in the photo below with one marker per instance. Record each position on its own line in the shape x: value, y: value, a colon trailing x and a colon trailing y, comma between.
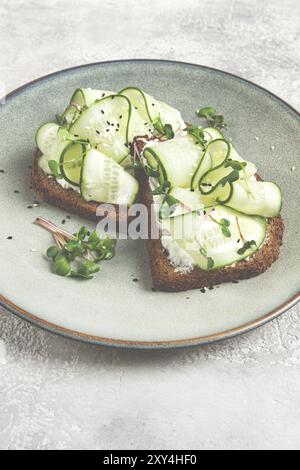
x: 16, y: 191
x: 33, y: 250
x: 293, y: 168
x: 272, y: 147
x: 2, y: 171
x: 9, y: 238
x: 135, y: 279
x: 63, y: 221
x: 256, y: 138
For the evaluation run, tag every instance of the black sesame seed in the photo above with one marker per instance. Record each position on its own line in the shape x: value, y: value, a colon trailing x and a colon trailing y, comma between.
x: 202, y: 291
x: 204, y: 212
x: 136, y: 107
x: 9, y: 238
x: 153, y: 289
x: 135, y: 280
x: 88, y: 234
x: 97, y: 132
x: 117, y: 130
x: 2, y: 171
x: 235, y: 282
x: 76, y: 135
x: 146, y: 124
x: 68, y: 217
x: 103, y: 94
x: 16, y: 191
x: 153, y: 104
x: 239, y: 240
x: 120, y: 117
x: 63, y: 221
x: 102, y: 111
x: 29, y: 207
x: 107, y: 130
x: 108, y: 123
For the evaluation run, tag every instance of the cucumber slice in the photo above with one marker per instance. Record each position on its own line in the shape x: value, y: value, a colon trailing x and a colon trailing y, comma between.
x: 176, y: 159
x: 189, y: 201
x: 170, y: 115
x: 251, y: 168
x: 139, y: 101
x: 46, y: 137
x: 71, y: 162
x: 209, y: 183
x: 103, y: 180
x: 140, y: 120
x: 106, y: 125
x: 88, y: 96
x: 211, y: 133
x: 151, y: 109
x: 204, y: 166
x: 50, y: 145
x: 203, y: 240
x: 82, y: 98
x: 256, y: 198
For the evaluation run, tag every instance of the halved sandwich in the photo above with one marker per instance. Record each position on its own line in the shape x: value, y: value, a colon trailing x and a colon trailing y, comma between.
x: 85, y: 159
x: 218, y: 221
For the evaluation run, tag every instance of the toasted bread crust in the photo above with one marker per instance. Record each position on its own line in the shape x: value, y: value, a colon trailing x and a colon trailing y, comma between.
x: 166, y: 278
x: 48, y: 190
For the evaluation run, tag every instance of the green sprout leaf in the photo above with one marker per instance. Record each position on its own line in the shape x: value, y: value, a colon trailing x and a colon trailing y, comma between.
x: 168, y: 207
x: 78, y: 255
x: 55, y: 169
x: 247, y: 246
x: 151, y: 172
x: 207, y: 112
x: 212, y: 117
x: 231, y: 178
x: 61, y: 120
x: 198, y: 135
x: 210, y: 264
x: 62, y: 265
x: 210, y: 261
x: 52, y: 252
x: 64, y: 134
x: 235, y: 165
x: 163, y: 129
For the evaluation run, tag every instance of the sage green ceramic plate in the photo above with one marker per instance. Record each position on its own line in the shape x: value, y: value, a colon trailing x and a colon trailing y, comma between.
x: 113, y: 309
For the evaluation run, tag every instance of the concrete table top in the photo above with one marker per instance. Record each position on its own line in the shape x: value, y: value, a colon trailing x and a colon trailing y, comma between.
x: 240, y: 394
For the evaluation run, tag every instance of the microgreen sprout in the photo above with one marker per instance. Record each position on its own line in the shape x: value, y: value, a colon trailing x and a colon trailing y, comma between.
x: 247, y: 246
x: 210, y: 261
x: 169, y: 203
x: 77, y: 255
x: 163, y: 129
x: 212, y: 117
x: 198, y: 135
x: 224, y: 224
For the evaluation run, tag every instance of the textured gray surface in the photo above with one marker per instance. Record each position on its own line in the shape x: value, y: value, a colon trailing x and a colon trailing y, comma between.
x: 243, y: 393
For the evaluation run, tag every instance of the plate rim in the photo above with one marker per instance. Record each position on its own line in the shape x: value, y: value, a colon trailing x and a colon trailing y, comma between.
x: 169, y: 344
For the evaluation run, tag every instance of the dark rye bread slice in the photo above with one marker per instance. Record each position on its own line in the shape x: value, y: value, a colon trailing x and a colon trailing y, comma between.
x: 48, y: 190
x: 165, y: 276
